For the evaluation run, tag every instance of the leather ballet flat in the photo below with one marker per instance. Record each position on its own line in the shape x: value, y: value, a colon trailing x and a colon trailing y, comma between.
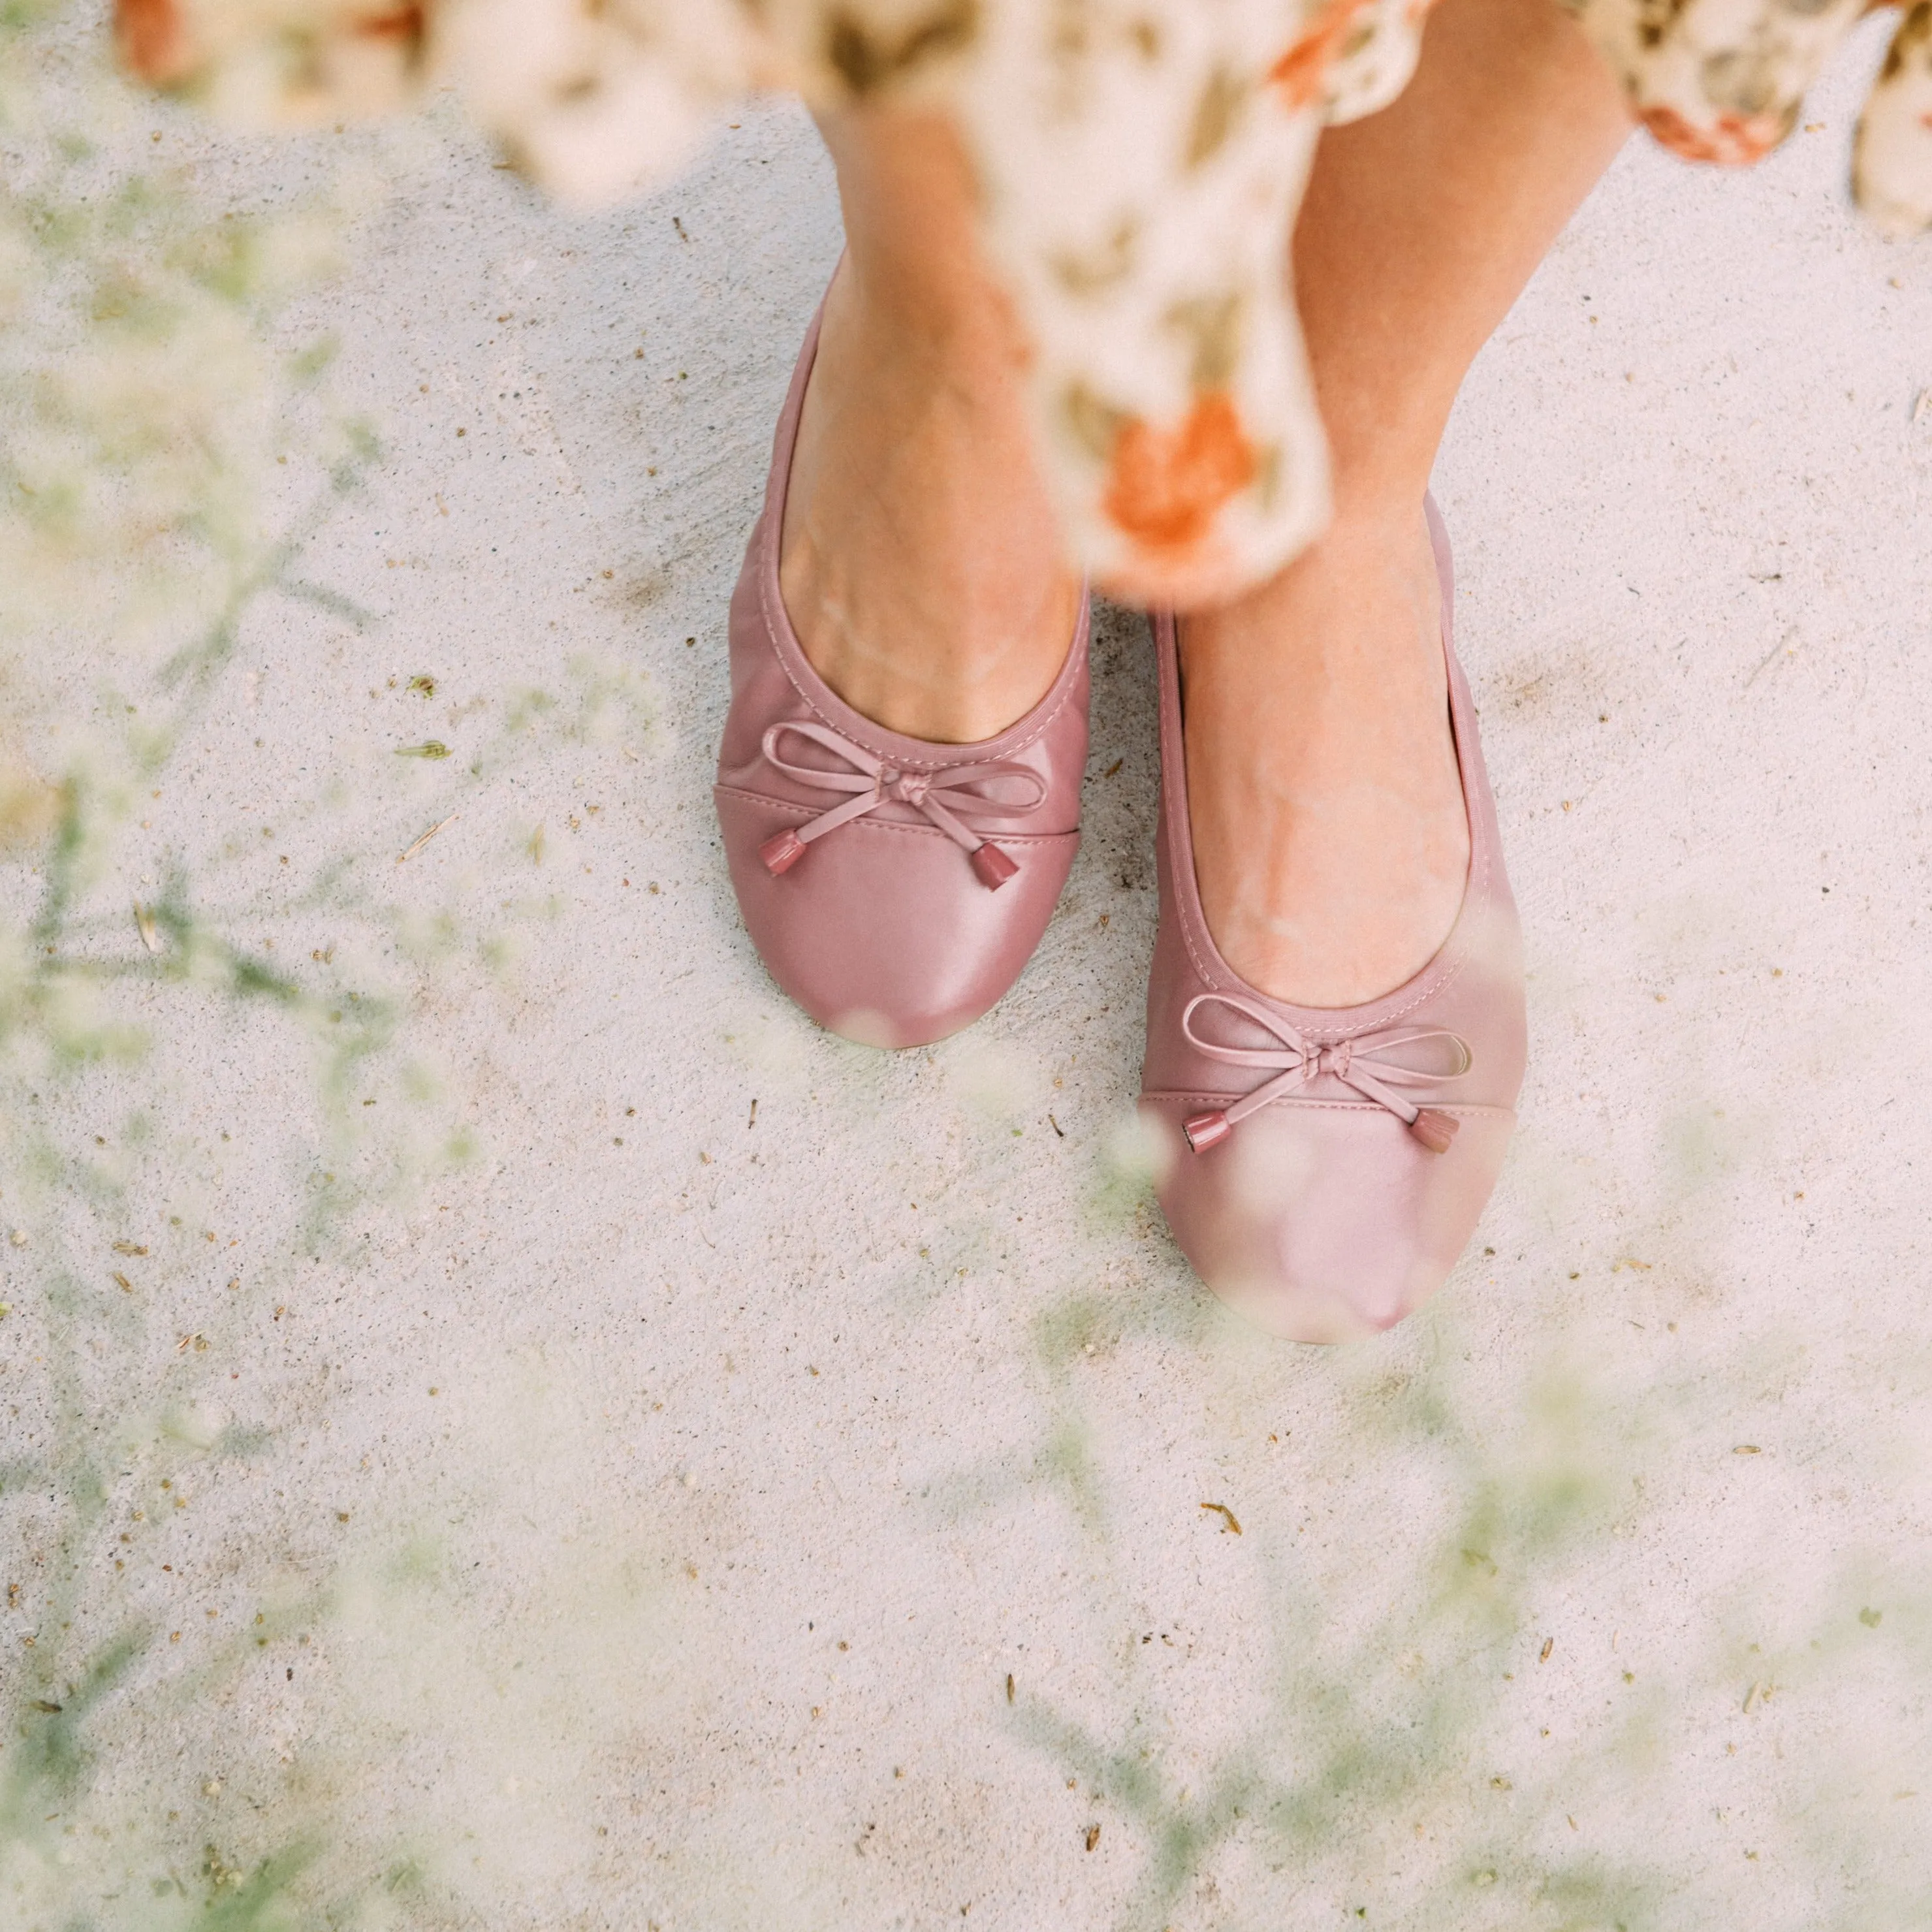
x: 895, y: 889
x: 1324, y: 1169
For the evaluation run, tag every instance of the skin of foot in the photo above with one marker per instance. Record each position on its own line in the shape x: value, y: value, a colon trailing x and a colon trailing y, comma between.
x: 1331, y: 843
x: 921, y: 562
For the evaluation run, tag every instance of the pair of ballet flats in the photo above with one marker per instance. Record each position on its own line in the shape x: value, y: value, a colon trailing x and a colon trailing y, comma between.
x: 1322, y: 1170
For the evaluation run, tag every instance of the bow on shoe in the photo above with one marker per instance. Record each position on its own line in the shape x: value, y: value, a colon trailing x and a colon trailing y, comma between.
x: 947, y: 796
x: 1364, y: 1063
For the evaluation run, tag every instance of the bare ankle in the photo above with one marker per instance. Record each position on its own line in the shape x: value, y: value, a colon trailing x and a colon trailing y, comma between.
x: 921, y: 560
x: 1331, y: 837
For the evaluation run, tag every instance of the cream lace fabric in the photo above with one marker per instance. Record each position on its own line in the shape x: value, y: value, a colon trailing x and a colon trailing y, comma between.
x: 1142, y: 161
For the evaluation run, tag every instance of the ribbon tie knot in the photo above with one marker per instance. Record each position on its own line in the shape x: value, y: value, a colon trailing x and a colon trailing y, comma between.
x: 1377, y: 1066
x: 952, y: 797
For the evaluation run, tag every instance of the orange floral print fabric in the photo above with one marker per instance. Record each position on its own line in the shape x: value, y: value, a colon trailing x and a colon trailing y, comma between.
x: 1164, y: 488
x: 1141, y: 167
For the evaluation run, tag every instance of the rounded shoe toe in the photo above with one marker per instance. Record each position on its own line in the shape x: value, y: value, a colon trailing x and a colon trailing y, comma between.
x: 884, y: 933
x: 1322, y: 1221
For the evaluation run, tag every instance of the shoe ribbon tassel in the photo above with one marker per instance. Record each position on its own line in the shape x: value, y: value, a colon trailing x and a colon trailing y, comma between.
x: 1365, y: 1064
x: 950, y: 797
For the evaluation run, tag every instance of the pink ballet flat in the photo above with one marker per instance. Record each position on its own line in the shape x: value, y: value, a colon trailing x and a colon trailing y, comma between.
x: 894, y: 888
x: 1323, y: 1170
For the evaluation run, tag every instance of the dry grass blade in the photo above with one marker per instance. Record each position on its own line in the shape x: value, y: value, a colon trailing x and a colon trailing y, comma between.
x: 413, y: 850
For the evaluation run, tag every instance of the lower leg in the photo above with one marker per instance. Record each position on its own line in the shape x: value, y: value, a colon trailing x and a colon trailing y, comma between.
x: 1330, y: 835
x: 921, y: 562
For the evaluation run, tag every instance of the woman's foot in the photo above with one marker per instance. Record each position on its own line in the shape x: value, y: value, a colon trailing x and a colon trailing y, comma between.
x: 894, y: 888
x: 921, y: 561
x: 1331, y: 839
x: 1324, y: 1177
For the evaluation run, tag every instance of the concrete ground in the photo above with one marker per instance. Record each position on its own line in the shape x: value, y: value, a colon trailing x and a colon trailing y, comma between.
x: 609, y: 1455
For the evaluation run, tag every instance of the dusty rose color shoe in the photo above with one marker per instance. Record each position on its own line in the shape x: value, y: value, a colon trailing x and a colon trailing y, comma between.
x: 1325, y: 1168
x: 894, y: 888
